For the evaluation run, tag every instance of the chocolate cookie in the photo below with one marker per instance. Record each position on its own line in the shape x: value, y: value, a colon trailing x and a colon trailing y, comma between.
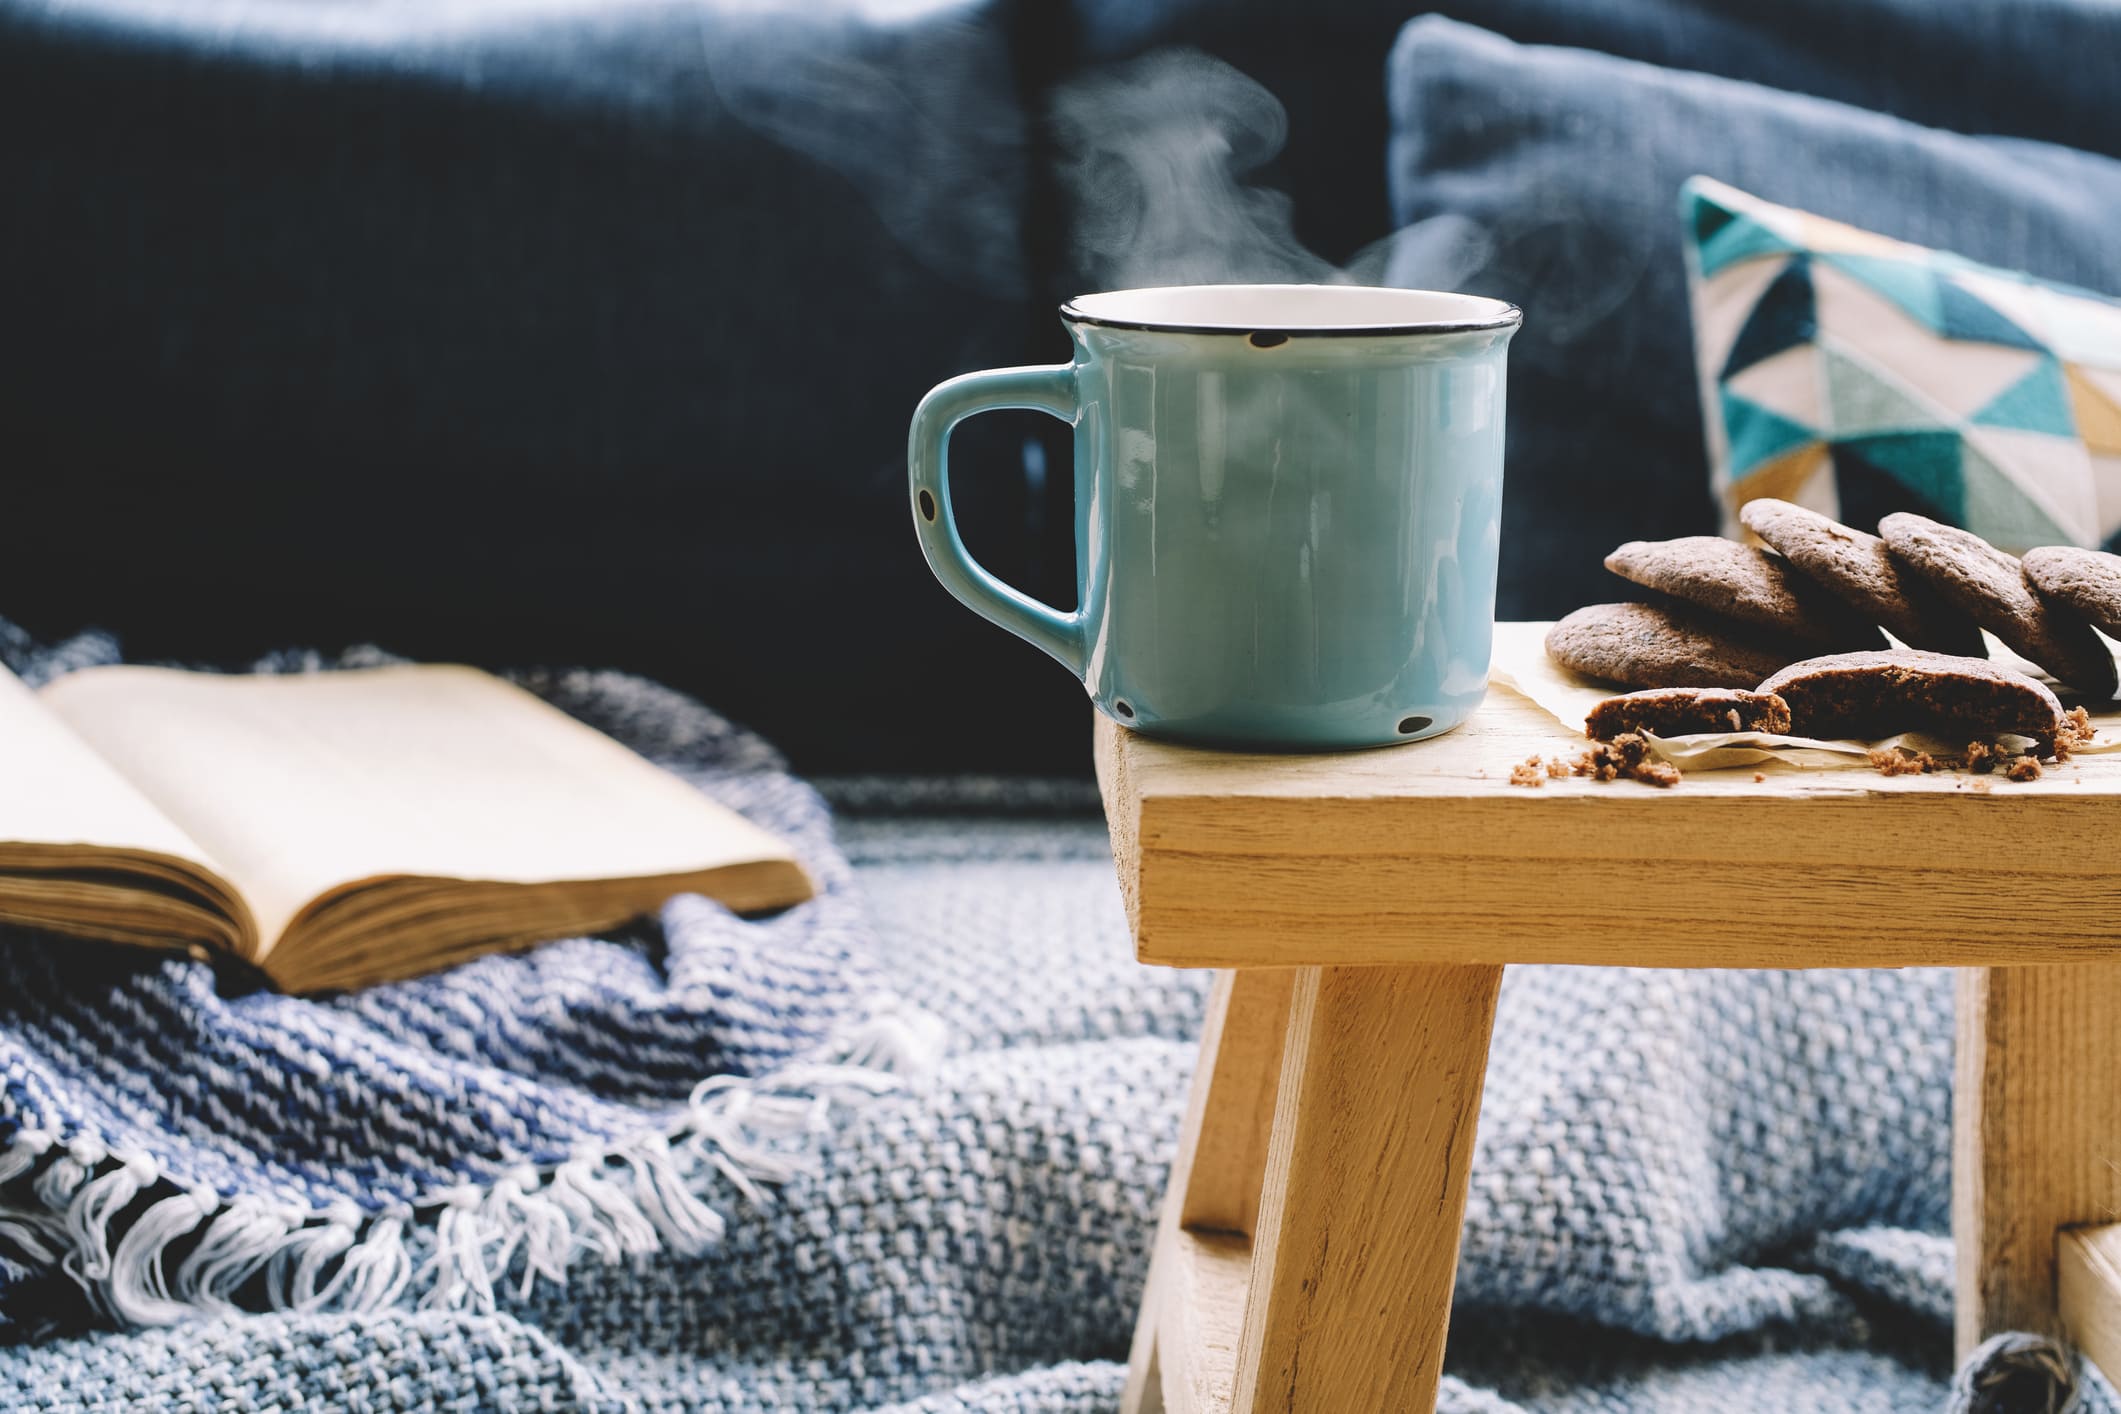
x: 1743, y: 583
x: 1645, y: 645
x: 1855, y: 568
x: 1991, y: 587
x: 1678, y: 711
x: 2086, y: 581
x: 1871, y: 695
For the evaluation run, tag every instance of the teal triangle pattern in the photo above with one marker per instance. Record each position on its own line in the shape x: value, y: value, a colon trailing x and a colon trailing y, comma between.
x: 1868, y: 493
x: 1757, y: 434
x: 1705, y: 215
x: 1740, y: 238
x: 1927, y: 464
x: 1910, y: 284
x: 2038, y: 402
x: 1785, y: 316
x: 1861, y: 401
x: 1891, y: 447
x: 1998, y: 508
x: 1968, y: 317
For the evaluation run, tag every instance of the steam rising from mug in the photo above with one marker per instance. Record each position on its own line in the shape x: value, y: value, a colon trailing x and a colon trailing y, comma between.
x: 1158, y: 161
x: 882, y: 93
x: 1152, y: 159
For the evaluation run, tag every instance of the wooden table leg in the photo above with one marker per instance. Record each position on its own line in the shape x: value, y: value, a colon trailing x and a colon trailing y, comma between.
x: 1357, y: 1243
x: 1215, y: 1182
x: 2037, y: 1134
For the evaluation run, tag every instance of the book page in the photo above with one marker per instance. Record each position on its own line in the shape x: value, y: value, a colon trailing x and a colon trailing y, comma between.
x: 55, y: 790
x: 302, y: 784
x: 83, y: 851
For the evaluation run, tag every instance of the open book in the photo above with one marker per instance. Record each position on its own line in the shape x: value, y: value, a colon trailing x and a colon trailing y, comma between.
x: 337, y: 829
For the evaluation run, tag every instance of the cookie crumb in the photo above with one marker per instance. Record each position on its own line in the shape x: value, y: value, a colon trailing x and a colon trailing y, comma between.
x: 1981, y: 785
x: 2024, y: 768
x: 1626, y: 755
x: 1892, y: 761
x: 1759, y: 776
x: 2077, y: 730
x: 1557, y: 768
x: 1980, y: 757
x: 1527, y: 772
x: 1657, y: 773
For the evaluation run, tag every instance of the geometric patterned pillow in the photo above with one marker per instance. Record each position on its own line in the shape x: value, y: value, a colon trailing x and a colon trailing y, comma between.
x: 1859, y: 375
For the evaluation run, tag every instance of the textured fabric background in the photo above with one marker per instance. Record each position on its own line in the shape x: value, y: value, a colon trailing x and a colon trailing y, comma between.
x: 164, y: 1129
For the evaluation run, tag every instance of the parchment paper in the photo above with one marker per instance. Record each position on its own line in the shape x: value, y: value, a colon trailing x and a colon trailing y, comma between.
x: 1521, y: 664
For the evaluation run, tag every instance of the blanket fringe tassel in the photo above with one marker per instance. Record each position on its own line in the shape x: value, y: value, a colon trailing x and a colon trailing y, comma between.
x: 95, y: 1214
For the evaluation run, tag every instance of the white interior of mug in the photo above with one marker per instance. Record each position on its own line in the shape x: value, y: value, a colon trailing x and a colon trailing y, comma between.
x: 1291, y: 308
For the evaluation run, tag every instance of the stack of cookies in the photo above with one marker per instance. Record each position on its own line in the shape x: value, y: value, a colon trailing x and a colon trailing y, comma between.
x: 1716, y: 626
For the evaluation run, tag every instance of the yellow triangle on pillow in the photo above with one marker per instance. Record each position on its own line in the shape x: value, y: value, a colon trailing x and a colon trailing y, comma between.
x: 1784, y: 477
x: 2098, y: 414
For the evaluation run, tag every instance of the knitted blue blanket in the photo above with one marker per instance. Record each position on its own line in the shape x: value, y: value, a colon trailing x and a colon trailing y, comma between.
x: 901, y: 1149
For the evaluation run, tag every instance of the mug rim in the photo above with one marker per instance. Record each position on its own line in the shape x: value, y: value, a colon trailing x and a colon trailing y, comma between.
x: 1456, y: 313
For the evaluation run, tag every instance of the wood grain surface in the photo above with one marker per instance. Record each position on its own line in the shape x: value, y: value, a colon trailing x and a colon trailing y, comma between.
x: 1200, y: 1321
x: 2036, y: 1135
x: 1215, y: 1182
x: 1401, y: 879
x: 2088, y: 1261
x: 1424, y: 853
x: 1357, y: 1243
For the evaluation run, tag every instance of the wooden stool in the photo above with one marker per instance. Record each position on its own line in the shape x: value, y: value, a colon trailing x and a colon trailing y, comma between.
x: 1363, y: 907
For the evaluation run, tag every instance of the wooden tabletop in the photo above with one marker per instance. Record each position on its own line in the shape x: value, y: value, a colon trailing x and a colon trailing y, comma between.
x: 1426, y: 853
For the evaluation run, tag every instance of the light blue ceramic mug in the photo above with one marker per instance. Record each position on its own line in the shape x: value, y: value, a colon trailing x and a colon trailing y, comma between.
x: 1288, y: 508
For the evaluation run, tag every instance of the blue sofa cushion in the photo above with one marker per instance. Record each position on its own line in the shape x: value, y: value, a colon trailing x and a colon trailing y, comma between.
x: 1550, y: 177
x: 580, y: 331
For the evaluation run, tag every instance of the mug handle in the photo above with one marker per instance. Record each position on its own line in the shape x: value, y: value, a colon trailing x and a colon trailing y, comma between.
x: 1046, y: 389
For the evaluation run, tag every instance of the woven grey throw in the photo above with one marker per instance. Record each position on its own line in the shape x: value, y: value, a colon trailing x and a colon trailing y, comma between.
x: 901, y: 1149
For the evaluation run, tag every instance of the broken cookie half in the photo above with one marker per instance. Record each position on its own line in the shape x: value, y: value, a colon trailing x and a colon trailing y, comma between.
x: 1871, y: 695
x: 1683, y: 711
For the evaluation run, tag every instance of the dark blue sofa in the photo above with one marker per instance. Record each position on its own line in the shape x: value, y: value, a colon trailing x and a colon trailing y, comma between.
x: 575, y: 331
